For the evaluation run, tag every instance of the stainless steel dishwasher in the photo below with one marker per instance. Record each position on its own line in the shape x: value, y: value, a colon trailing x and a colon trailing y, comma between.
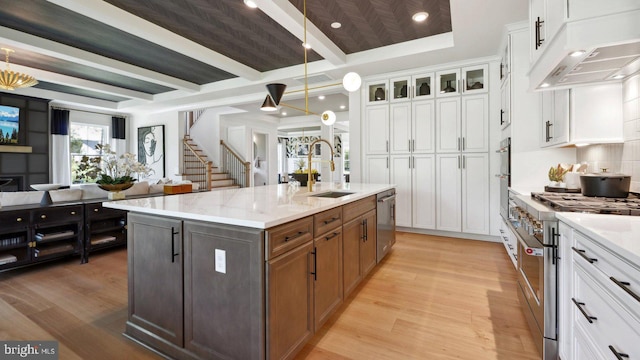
x: 386, y: 233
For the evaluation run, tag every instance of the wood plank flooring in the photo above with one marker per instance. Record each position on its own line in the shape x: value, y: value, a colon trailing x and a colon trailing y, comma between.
x: 431, y: 298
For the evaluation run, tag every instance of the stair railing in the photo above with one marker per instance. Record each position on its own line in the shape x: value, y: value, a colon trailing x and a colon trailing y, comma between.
x: 197, y: 168
x: 234, y: 165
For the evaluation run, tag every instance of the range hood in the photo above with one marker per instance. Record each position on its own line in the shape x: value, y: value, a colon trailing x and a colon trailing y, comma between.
x: 590, y: 51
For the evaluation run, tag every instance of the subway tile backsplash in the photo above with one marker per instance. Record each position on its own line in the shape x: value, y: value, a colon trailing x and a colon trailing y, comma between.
x: 621, y: 158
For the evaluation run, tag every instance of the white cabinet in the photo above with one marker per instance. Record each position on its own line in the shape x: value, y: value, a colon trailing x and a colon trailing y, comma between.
x: 377, y: 92
x: 462, y: 124
x: 505, y: 104
x: 582, y: 115
x: 423, y: 86
x: 467, y: 80
x: 462, y: 192
x: 414, y: 176
x: 545, y: 19
x: 400, y: 89
x: 400, y: 128
x: 565, y: 271
x: 377, y: 169
x: 412, y: 127
x: 376, y: 130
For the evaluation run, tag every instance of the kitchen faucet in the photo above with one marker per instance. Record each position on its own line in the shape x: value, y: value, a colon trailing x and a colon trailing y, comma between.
x: 310, y: 180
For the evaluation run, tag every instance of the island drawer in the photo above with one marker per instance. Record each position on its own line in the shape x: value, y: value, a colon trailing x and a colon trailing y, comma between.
x: 357, y: 208
x: 285, y: 237
x: 327, y: 220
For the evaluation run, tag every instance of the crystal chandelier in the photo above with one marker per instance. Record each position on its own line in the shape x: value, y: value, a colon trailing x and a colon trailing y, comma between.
x: 11, y: 80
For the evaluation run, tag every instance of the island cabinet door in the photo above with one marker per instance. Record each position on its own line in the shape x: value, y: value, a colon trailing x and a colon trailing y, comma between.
x: 290, y: 302
x: 155, y: 280
x: 352, y: 234
x: 368, y: 243
x: 224, y: 291
x: 328, y: 275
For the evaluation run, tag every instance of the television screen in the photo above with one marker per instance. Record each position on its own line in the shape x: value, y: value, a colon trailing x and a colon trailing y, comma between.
x: 9, y: 124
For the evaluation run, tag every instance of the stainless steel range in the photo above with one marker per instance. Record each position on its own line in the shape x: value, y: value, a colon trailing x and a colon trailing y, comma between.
x: 536, y: 227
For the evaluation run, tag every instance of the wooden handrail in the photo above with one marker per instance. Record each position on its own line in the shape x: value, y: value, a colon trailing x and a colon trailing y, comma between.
x: 205, y: 163
x: 239, y: 160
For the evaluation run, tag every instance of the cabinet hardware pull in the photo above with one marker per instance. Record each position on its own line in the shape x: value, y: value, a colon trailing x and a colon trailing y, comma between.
x: 413, y: 145
x: 464, y: 162
x: 73, y: 213
x: 19, y: 219
x: 315, y: 264
x: 539, y: 39
x: 43, y: 216
x: 329, y: 237
x: 501, y: 74
x: 458, y: 161
x: 459, y: 90
x: 548, y: 124
x: 364, y: 230
x: 582, y: 253
x: 464, y: 145
x: 287, y: 238
x: 387, y: 162
x: 501, y: 115
x: 458, y: 143
x: 96, y: 210
x: 387, y: 146
x: 625, y: 286
x: 618, y: 355
x: 409, y: 140
x: 331, y: 220
x: 173, y: 245
x: 464, y: 88
x: 588, y: 317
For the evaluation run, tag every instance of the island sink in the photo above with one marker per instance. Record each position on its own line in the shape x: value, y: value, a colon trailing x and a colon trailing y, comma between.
x: 332, y: 194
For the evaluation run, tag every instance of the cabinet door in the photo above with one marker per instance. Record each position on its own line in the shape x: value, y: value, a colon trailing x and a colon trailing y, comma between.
x: 423, y: 86
x: 368, y: 246
x: 475, y: 193
x: 401, y: 176
x: 376, y: 124
x: 156, y: 276
x: 400, y: 89
x: 328, y: 279
x: 475, y: 123
x: 400, y: 128
x: 377, y: 171
x: 505, y: 104
x: 424, y: 191
x: 351, y: 238
x: 448, y: 83
x: 475, y: 79
x: 536, y: 28
x: 290, y: 302
x: 448, y: 135
x: 565, y: 309
x: 546, y: 103
x: 448, y: 192
x: 423, y: 125
x: 223, y: 265
x: 561, y: 116
x: 377, y: 92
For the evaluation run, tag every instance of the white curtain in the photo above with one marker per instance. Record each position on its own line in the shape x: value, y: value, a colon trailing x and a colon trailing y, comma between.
x: 60, y: 151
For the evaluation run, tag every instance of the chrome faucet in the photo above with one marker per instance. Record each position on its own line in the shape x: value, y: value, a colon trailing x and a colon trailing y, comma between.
x: 310, y: 180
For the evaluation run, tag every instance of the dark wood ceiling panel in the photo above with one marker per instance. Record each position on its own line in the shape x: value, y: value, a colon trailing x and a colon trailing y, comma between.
x: 44, y: 19
x: 372, y: 24
x: 78, y: 91
x: 226, y: 26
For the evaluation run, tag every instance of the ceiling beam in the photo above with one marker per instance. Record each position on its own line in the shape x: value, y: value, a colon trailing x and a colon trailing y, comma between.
x: 72, y: 99
x: 288, y: 16
x: 113, y: 16
x: 29, y: 42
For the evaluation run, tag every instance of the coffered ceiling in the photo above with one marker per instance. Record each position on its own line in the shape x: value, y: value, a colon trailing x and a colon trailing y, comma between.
x: 154, y: 55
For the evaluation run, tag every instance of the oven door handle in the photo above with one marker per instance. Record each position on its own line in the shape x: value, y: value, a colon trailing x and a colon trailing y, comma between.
x: 531, y: 250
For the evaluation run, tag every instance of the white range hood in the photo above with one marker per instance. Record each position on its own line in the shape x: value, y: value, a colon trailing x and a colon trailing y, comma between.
x: 605, y: 48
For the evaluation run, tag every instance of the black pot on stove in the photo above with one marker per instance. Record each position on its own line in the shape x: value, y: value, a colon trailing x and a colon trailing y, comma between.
x: 605, y: 184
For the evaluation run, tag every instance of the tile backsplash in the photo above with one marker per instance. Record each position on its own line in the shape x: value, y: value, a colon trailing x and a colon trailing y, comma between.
x: 620, y: 158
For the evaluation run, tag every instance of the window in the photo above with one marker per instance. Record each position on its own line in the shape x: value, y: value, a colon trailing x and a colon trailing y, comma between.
x: 83, y: 139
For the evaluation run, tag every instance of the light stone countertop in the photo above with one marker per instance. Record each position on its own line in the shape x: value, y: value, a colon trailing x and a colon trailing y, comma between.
x: 256, y: 207
x: 620, y: 233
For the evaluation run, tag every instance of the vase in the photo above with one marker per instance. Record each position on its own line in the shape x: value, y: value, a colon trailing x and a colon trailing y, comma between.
x: 425, y: 89
x: 115, y: 190
x: 379, y: 94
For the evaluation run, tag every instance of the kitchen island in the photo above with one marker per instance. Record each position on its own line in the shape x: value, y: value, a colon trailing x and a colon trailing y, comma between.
x: 246, y: 273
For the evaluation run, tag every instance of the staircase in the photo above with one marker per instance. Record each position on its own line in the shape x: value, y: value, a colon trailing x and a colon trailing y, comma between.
x: 199, y: 169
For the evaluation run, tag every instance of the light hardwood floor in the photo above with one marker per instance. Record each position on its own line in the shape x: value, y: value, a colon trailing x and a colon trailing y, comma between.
x: 431, y: 298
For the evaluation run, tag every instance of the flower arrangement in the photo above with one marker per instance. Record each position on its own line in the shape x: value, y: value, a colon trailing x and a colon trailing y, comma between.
x: 301, y: 164
x: 111, y: 169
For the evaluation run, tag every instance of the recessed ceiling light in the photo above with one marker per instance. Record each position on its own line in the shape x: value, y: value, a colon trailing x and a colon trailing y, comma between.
x: 342, y: 107
x: 284, y: 113
x: 321, y: 97
x: 618, y: 77
x: 336, y: 25
x: 420, y: 16
x: 306, y: 45
x: 577, y: 53
x: 544, y: 85
x: 250, y: 3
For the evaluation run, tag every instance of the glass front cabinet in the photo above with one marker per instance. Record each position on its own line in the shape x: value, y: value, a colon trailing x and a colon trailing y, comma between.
x: 448, y: 83
x: 423, y: 86
x: 400, y: 89
x: 377, y: 92
x: 474, y: 79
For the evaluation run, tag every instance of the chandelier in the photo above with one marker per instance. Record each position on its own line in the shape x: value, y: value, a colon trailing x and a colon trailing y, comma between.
x: 11, y: 80
x: 351, y: 82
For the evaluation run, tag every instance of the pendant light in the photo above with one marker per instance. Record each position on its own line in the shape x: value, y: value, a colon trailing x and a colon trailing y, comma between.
x: 11, y: 80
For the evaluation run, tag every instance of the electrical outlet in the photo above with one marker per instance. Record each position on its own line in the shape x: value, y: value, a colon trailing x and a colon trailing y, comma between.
x: 221, y: 261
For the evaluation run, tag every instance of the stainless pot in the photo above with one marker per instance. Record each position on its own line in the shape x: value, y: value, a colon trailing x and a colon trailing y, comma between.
x: 605, y: 184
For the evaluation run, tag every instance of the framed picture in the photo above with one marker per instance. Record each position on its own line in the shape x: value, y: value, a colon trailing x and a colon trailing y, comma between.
x: 151, y: 149
x: 317, y: 149
x: 303, y: 149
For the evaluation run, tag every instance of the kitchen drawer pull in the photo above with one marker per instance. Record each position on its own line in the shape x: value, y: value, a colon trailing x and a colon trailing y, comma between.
x: 326, y: 222
x: 73, y: 213
x: 625, y: 286
x: 300, y: 233
x: 618, y: 355
x: 43, y: 216
x: 19, y: 219
x: 329, y: 237
x: 173, y: 245
x: 315, y: 263
x: 96, y: 210
x: 588, y: 317
x: 581, y: 253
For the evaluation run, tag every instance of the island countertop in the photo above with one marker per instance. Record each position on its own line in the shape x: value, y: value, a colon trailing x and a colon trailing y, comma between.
x: 257, y: 207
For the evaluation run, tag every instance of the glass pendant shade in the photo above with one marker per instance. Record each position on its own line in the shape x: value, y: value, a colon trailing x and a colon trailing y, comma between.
x: 276, y: 91
x: 351, y: 81
x: 328, y: 118
x: 268, y: 105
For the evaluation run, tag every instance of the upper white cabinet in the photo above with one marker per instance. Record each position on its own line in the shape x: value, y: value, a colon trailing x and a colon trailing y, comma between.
x: 377, y: 92
x: 423, y: 86
x: 462, y: 124
x: 582, y: 115
x: 545, y: 19
x: 400, y: 89
x: 412, y: 127
x: 376, y: 130
x: 467, y: 80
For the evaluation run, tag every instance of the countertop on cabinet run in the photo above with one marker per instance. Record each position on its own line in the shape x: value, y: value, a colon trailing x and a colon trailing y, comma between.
x: 620, y: 233
x: 256, y: 207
